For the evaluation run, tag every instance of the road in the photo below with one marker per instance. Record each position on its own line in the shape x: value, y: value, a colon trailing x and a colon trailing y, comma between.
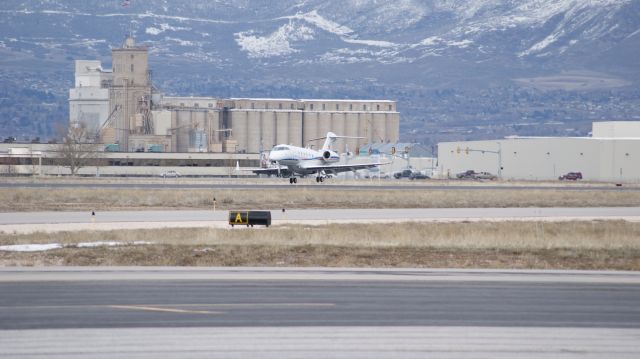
x: 335, y: 184
x: 317, y: 312
x: 52, y: 221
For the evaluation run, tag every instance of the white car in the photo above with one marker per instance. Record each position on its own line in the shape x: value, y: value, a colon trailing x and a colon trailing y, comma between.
x: 170, y: 174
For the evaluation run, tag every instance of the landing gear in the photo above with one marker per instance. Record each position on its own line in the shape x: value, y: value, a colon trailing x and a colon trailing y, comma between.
x: 293, y: 180
x: 319, y: 179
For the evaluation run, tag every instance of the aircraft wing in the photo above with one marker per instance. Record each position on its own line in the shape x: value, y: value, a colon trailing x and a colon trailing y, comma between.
x: 270, y: 171
x: 345, y: 168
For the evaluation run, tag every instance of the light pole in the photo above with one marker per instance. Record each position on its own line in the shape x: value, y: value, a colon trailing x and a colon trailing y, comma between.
x: 499, y: 160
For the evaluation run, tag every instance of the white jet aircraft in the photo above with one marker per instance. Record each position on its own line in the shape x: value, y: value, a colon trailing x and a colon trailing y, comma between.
x: 290, y: 161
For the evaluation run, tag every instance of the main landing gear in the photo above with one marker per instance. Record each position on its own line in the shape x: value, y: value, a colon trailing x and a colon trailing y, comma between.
x: 319, y: 179
x: 293, y: 180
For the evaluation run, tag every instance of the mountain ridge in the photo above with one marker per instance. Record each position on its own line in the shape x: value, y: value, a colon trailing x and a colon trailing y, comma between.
x: 424, y: 54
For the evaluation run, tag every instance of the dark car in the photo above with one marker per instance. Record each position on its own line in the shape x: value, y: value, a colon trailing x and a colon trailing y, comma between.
x: 418, y: 175
x: 571, y: 176
x: 404, y: 173
x: 469, y: 174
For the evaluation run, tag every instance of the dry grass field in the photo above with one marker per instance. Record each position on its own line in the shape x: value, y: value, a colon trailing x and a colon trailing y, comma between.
x: 38, y: 199
x: 541, y: 245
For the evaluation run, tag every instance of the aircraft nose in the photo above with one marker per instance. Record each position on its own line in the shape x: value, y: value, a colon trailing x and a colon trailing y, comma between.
x: 273, y: 157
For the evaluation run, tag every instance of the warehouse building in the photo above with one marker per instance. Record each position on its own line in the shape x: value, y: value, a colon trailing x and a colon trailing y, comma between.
x: 612, y: 153
x: 139, y: 119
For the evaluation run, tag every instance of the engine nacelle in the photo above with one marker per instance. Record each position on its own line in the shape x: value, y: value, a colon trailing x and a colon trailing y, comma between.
x: 326, y: 155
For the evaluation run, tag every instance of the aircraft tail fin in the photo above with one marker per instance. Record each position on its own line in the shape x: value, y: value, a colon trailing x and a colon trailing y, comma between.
x: 330, y: 139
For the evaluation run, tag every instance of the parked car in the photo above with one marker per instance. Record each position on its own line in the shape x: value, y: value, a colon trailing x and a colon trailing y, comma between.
x: 403, y: 174
x: 418, y: 175
x: 166, y: 174
x: 571, y: 176
x: 468, y: 174
x: 485, y: 176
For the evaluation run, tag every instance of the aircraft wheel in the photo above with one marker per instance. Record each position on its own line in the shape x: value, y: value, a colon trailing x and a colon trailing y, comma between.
x: 295, y: 180
x: 290, y: 180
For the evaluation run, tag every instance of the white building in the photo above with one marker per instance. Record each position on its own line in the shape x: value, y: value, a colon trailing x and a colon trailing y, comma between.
x: 611, y: 154
x: 89, y: 99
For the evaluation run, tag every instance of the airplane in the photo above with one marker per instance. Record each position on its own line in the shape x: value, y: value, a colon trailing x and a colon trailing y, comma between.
x: 289, y: 161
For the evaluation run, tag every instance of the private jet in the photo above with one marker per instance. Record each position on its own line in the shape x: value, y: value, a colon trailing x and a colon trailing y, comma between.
x: 293, y: 161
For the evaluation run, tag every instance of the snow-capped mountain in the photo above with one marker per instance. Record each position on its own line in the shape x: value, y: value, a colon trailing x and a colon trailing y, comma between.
x: 349, y: 48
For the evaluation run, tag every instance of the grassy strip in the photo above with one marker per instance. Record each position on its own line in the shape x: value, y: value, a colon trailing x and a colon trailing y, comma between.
x: 577, y: 245
x: 330, y: 256
x: 28, y: 199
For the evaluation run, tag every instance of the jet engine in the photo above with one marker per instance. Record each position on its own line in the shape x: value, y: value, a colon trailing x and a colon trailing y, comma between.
x: 326, y: 155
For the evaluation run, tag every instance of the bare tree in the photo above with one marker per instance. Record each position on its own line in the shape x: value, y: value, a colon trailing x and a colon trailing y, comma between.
x: 77, y: 149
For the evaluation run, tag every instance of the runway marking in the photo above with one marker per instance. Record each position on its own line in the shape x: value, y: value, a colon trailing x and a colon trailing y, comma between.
x: 166, y: 307
x: 257, y: 305
x: 158, y: 309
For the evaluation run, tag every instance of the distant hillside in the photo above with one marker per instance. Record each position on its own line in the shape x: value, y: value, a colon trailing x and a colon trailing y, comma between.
x: 458, y: 69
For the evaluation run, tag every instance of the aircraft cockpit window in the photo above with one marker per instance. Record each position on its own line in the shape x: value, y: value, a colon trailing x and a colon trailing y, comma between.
x: 280, y: 148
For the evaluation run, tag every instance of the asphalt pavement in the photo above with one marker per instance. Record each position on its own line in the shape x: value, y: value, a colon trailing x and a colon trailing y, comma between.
x: 285, y: 312
x: 364, y: 214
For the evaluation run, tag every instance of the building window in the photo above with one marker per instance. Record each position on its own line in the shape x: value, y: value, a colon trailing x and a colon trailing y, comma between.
x: 324, y: 107
x: 337, y: 107
x: 210, y: 105
x: 131, y: 67
x: 311, y: 106
x: 131, y: 56
x: 266, y: 105
x: 181, y: 104
x: 378, y: 107
x: 390, y: 107
x: 196, y: 105
x: 280, y: 106
x: 253, y: 105
x: 364, y: 107
x: 350, y: 107
x: 292, y: 106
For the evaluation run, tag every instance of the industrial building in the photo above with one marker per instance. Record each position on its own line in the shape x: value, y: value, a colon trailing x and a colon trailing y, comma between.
x: 612, y: 153
x: 140, y: 119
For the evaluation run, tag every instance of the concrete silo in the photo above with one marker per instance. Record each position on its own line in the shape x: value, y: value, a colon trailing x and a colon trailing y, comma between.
x: 309, y: 128
x: 379, y: 127
x: 182, y: 129
x: 268, y: 130
x: 254, y: 131
x: 339, y: 128
x: 324, y: 126
x: 239, y: 127
x: 282, y: 127
x: 393, y: 127
x: 351, y: 130
x: 295, y: 129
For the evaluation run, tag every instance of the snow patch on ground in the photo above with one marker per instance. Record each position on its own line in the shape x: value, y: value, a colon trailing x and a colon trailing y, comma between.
x: 50, y: 246
x: 30, y: 247
x: 179, y: 41
x: 327, y: 25
x: 165, y: 27
x: 376, y: 43
x: 277, y: 43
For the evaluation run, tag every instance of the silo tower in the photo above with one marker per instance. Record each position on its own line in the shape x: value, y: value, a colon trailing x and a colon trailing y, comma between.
x: 131, y: 84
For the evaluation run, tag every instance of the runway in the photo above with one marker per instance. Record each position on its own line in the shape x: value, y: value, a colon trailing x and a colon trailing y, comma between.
x: 56, y: 221
x: 317, y: 312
